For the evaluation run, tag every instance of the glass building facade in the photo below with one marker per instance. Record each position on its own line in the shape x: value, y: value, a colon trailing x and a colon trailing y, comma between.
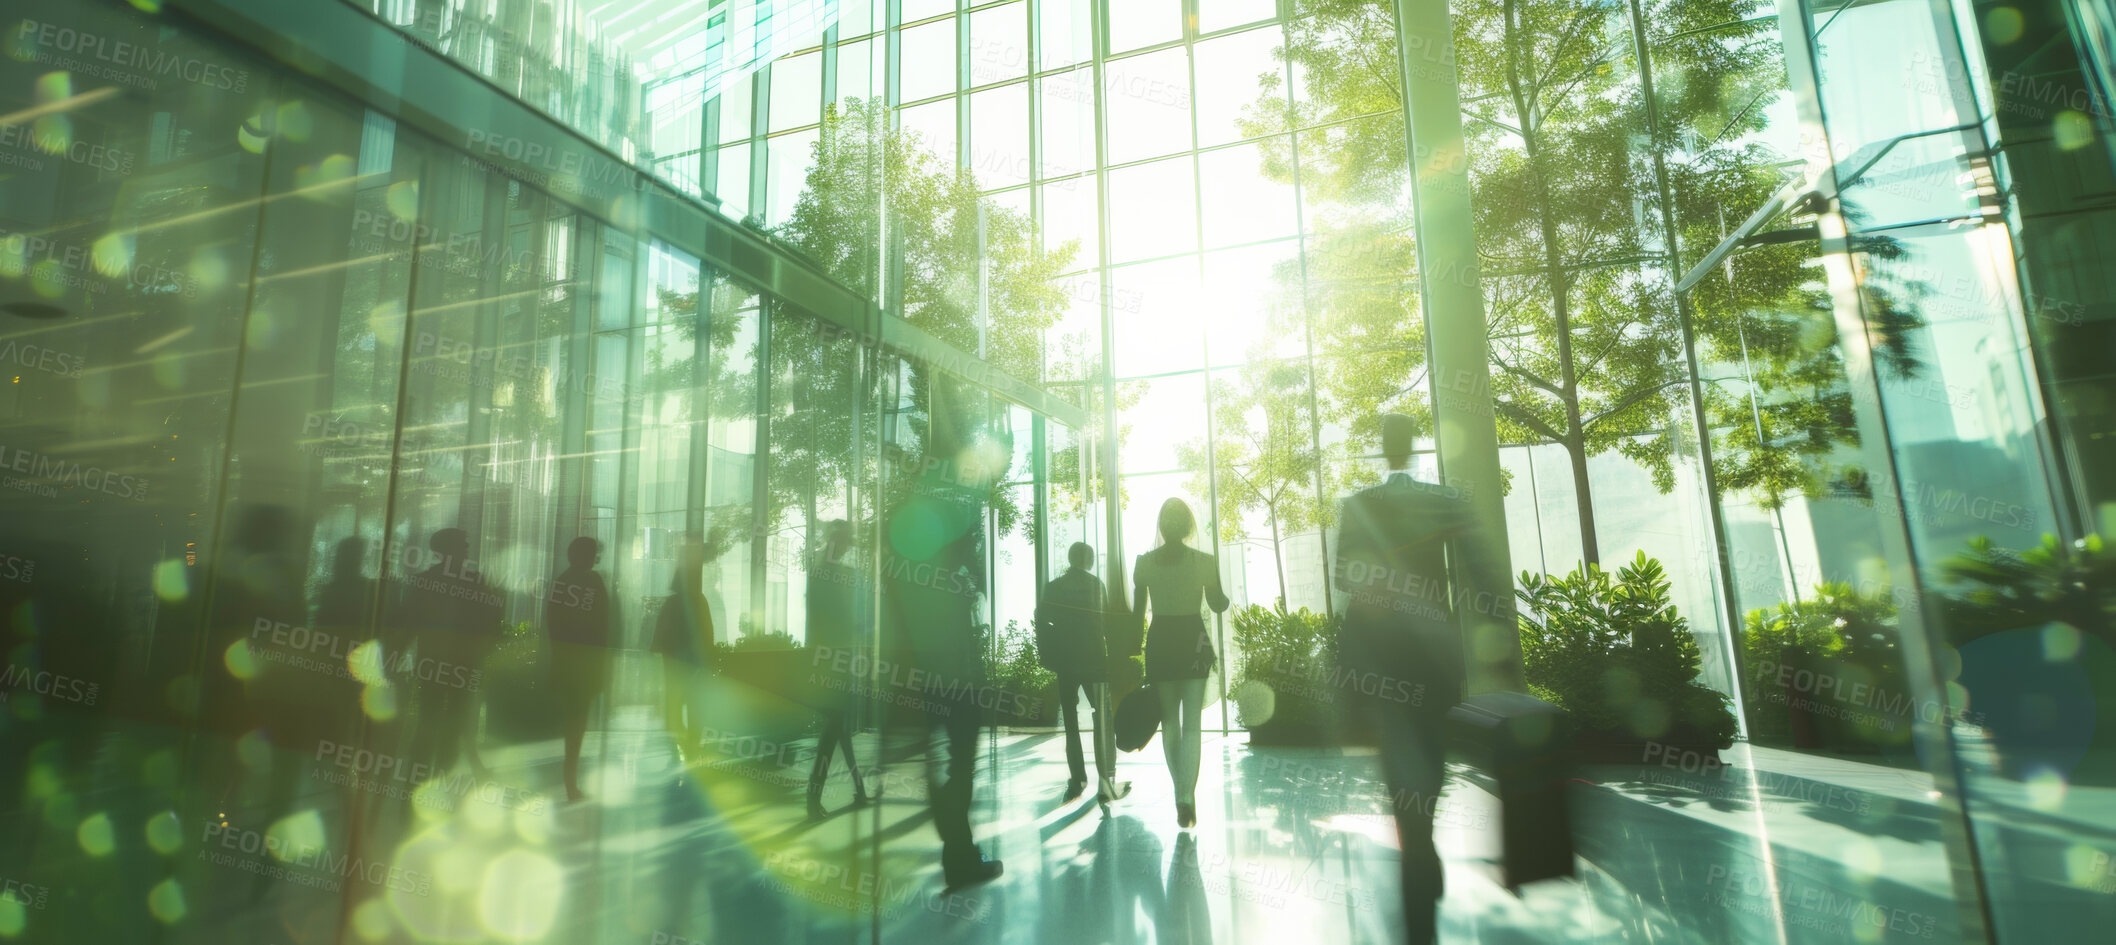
x: 1772, y: 327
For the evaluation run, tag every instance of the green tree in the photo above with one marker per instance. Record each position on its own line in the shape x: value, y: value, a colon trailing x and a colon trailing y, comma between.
x: 1567, y: 167
x: 1263, y: 457
x: 972, y: 273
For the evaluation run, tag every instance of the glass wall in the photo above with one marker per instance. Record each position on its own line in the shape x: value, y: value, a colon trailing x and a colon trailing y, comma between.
x: 369, y: 509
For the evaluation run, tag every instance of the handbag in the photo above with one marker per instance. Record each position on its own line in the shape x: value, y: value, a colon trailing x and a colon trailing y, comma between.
x: 1138, y: 718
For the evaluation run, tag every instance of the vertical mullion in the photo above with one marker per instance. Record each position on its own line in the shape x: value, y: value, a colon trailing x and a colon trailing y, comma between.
x: 759, y: 123
x: 1957, y: 832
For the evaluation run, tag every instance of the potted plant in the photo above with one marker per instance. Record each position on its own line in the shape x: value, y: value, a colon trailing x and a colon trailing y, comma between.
x: 1282, y: 683
x: 1613, y: 651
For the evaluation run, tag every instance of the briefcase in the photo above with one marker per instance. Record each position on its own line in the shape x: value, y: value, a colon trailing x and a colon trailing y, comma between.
x: 1524, y: 745
x: 1138, y: 718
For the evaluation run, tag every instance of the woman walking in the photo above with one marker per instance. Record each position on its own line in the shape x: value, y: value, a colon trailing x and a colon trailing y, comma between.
x: 1172, y: 580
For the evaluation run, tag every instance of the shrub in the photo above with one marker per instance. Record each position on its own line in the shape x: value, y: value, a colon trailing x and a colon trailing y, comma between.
x: 1613, y: 651
x: 1839, y: 632
x: 1292, y: 655
x: 2054, y: 582
x: 1012, y: 666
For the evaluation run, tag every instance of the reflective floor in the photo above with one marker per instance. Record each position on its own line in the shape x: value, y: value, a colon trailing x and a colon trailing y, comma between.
x: 716, y: 845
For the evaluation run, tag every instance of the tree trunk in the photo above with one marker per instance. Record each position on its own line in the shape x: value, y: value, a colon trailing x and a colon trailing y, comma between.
x: 1576, y: 450
x: 1278, y: 561
x: 1560, y: 284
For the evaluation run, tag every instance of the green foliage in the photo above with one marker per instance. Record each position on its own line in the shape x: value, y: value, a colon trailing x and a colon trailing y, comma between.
x: 1614, y: 652
x: 1567, y: 175
x: 953, y: 240
x: 1012, y: 666
x: 1838, y: 631
x: 1294, y: 655
x: 768, y: 640
x: 2054, y: 582
x: 1264, y: 456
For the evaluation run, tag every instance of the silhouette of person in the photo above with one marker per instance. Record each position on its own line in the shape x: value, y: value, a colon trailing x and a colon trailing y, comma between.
x: 345, y: 602
x: 833, y: 626
x: 454, y: 618
x: 577, y: 611
x: 683, y: 635
x: 1170, y: 581
x: 1185, y: 917
x: 1391, y: 565
x: 258, y: 608
x: 1105, y: 889
x: 344, y: 606
x: 932, y: 576
x: 1069, y: 639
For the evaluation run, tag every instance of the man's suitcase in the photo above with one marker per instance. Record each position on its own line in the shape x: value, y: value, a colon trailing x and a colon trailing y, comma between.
x: 1524, y: 746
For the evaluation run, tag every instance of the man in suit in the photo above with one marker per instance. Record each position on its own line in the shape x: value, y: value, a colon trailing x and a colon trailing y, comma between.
x: 1069, y: 622
x: 1400, y: 651
x: 932, y: 578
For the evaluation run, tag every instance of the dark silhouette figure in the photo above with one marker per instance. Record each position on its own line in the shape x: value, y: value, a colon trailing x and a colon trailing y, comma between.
x: 577, y: 611
x: 1069, y: 640
x: 1186, y: 916
x: 344, y: 625
x: 271, y: 687
x: 683, y: 635
x: 453, y: 617
x: 833, y: 628
x: 932, y: 576
x: 1174, y: 579
x: 347, y: 600
x: 1399, y: 627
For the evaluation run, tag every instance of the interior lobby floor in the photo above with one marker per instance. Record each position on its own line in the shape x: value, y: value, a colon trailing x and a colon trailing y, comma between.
x: 1292, y: 845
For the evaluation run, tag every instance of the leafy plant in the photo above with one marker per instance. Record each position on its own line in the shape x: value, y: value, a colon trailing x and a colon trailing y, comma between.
x: 1613, y: 651
x: 1293, y: 653
x: 2054, y: 582
x: 1265, y: 466
x: 1576, y: 185
x: 1850, y: 637
x: 1012, y: 666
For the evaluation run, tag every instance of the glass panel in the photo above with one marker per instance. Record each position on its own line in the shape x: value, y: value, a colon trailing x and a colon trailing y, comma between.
x: 1254, y: 315
x: 999, y: 136
x: 796, y: 91
x: 730, y: 522
x: 999, y: 43
x: 1063, y: 34
x: 1153, y: 210
x: 928, y: 68
x: 734, y: 181
x: 1069, y: 214
x: 1169, y: 331
x: 1243, y: 203
x: 857, y: 71
x: 734, y: 112
x: 933, y: 124
x: 1237, y: 73
x: 1136, y: 23
x: 1222, y: 14
x: 790, y: 159
x: 1148, y: 105
x: 1067, y: 104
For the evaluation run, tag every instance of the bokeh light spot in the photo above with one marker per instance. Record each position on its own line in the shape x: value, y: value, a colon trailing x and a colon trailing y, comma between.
x: 172, y: 583
x: 96, y: 836
x: 165, y: 833
x: 166, y: 902
x: 521, y: 895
